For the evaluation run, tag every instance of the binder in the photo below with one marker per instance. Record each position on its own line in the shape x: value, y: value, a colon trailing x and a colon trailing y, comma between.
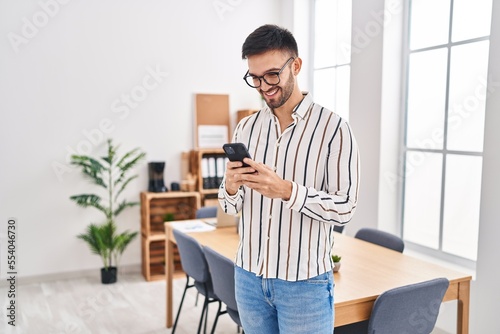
x: 212, y: 172
x: 205, y: 173
x: 221, y: 169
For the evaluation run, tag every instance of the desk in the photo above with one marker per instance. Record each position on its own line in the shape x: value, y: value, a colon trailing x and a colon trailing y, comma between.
x: 367, y: 271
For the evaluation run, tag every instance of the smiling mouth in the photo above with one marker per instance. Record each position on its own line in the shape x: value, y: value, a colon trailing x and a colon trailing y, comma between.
x: 272, y: 92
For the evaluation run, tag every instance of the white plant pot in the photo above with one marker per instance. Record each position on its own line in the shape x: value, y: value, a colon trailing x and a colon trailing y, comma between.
x: 336, y: 266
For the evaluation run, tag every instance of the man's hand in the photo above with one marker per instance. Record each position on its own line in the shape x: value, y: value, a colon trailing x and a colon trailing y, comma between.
x: 264, y: 180
x: 233, y: 170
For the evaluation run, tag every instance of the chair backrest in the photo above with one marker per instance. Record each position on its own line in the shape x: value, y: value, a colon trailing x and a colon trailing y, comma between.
x: 409, y: 309
x: 192, y: 256
x: 222, y: 272
x: 206, y: 212
x: 338, y: 228
x: 381, y: 238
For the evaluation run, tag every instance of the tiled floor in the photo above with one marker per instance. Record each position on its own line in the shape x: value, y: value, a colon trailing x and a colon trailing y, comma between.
x: 84, y: 305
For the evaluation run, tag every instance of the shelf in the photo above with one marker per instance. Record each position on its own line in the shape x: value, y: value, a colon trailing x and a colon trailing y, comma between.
x: 209, y: 191
x: 155, y: 207
x: 153, y: 261
x: 157, y: 236
x: 169, y: 194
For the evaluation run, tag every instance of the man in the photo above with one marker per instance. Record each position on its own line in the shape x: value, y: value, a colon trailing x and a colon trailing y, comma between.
x: 303, y: 179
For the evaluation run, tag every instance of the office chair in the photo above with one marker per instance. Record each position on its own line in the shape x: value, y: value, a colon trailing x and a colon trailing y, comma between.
x: 222, y: 272
x: 338, y: 228
x: 195, y: 266
x: 381, y: 238
x: 206, y: 212
x: 410, y: 309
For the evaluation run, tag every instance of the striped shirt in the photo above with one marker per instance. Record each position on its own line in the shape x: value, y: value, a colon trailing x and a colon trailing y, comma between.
x: 292, y: 240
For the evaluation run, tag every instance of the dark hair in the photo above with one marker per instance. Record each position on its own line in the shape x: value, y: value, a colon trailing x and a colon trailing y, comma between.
x: 269, y: 37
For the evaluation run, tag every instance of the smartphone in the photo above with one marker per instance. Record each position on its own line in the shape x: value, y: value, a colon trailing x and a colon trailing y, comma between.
x: 236, y: 152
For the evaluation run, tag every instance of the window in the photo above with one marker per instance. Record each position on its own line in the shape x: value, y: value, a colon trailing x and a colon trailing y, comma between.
x: 446, y: 88
x: 332, y: 54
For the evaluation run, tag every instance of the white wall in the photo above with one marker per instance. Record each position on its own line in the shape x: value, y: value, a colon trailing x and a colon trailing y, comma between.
x: 66, y: 68
x: 365, y: 105
x: 389, y: 192
x: 297, y: 18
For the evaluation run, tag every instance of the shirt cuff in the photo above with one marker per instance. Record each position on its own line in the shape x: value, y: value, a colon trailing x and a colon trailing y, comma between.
x: 230, y: 198
x: 297, y: 198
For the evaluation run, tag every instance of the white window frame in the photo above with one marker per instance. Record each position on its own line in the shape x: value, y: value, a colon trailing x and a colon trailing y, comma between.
x: 438, y: 253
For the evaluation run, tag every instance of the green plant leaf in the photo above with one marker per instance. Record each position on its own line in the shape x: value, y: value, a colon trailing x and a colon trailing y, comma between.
x: 124, y: 185
x: 111, y: 151
x: 168, y: 217
x: 90, y: 168
x: 95, y: 240
x: 90, y: 238
x: 123, y: 205
x: 89, y: 200
x: 123, y: 239
x: 124, y: 166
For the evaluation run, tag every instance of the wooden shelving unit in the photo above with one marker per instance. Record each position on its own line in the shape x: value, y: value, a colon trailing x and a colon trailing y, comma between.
x: 196, y: 169
x: 156, y: 208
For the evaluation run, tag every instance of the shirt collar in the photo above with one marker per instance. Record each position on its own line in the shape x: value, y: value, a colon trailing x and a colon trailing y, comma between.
x: 300, y: 109
x: 303, y: 107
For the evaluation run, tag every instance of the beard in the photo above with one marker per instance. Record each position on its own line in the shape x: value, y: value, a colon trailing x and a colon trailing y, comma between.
x: 286, y: 92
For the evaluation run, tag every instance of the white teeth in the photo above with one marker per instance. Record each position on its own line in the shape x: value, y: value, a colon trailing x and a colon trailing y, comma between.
x: 272, y: 92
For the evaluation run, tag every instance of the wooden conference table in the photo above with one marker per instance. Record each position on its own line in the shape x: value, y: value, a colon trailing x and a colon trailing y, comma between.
x: 367, y: 271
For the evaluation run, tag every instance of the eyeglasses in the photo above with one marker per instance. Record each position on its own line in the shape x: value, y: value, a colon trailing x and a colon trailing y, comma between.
x: 270, y: 78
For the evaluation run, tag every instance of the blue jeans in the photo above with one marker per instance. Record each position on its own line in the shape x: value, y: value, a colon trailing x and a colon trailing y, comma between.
x: 272, y: 306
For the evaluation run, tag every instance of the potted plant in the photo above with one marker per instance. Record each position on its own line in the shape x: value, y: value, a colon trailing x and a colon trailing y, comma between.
x: 105, y: 242
x: 336, y: 262
x: 111, y: 173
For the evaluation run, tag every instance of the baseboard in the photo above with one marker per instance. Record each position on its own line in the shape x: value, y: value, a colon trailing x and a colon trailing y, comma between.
x: 22, y: 280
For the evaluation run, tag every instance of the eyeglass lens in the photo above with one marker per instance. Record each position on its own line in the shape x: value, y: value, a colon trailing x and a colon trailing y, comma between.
x: 269, y: 78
